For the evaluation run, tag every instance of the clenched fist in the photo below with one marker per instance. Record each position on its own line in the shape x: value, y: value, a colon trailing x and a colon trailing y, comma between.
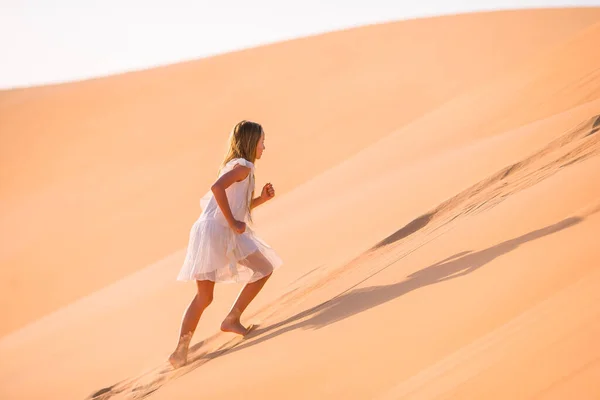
x: 268, y: 192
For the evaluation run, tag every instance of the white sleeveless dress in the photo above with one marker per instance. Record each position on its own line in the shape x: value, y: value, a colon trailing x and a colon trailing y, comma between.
x: 216, y: 252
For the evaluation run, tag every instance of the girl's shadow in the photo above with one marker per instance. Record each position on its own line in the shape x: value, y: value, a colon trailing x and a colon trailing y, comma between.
x: 359, y: 300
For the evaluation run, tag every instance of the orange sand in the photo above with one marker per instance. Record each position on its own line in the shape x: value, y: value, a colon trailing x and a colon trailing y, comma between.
x: 437, y: 208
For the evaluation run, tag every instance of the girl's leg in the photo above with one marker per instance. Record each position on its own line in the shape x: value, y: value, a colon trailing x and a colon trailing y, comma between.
x: 192, y: 315
x: 261, y: 266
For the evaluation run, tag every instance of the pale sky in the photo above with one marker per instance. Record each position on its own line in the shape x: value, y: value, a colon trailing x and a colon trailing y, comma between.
x: 50, y: 41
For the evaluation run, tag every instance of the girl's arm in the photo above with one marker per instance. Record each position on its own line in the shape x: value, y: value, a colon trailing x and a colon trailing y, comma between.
x: 238, y: 173
x: 257, y: 201
x: 267, y: 194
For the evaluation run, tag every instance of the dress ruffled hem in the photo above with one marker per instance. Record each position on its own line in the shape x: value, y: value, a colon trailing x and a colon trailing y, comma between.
x: 216, y: 253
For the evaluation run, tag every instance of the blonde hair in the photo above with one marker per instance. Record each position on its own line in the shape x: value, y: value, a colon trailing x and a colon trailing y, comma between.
x: 242, y: 143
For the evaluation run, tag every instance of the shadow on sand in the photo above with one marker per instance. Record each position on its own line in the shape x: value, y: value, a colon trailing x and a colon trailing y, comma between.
x: 348, y: 304
x: 359, y: 300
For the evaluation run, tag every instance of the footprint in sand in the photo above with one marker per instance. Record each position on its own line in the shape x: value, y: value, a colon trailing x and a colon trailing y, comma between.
x: 147, y: 383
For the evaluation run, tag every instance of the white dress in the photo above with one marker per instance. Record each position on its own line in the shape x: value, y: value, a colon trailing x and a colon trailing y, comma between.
x: 216, y: 252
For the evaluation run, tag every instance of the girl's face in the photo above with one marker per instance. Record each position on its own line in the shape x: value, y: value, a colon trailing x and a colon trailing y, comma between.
x: 260, y: 147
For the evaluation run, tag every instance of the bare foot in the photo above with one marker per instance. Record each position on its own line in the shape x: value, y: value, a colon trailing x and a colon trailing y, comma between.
x: 178, y: 358
x: 233, y: 324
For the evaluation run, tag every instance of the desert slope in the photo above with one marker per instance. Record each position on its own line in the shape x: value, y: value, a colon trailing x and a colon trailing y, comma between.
x: 451, y: 254
x: 102, y: 178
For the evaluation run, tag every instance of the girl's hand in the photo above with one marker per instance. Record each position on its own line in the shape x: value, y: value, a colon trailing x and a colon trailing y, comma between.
x: 268, y: 192
x: 238, y: 226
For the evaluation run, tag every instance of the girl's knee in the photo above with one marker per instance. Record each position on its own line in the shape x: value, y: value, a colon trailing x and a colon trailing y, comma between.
x: 265, y: 269
x: 259, y: 264
x: 204, y: 298
x: 264, y: 273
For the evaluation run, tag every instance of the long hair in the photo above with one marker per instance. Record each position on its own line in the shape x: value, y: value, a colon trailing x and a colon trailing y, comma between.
x: 243, y: 141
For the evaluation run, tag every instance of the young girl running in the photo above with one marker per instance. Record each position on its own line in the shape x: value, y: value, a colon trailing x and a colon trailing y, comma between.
x: 222, y: 248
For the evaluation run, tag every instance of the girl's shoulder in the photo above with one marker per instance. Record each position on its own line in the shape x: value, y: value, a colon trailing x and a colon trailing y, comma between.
x: 240, y: 161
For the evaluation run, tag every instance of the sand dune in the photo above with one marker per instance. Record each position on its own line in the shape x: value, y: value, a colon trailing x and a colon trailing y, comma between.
x: 90, y: 165
x: 440, y: 242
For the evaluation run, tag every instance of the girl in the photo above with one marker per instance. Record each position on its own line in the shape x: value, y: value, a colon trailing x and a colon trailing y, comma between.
x: 222, y: 248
